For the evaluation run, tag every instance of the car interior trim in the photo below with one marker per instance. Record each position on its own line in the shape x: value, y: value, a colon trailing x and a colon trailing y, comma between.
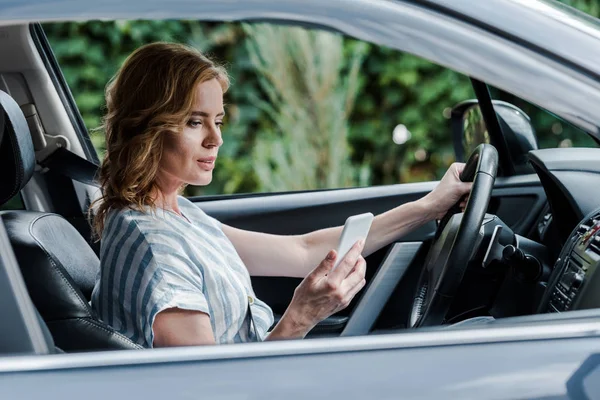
x: 577, y: 328
x: 380, y: 288
x: 47, y: 56
x: 21, y: 326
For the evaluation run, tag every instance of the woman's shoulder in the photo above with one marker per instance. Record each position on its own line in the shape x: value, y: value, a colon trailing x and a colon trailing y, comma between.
x: 186, y: 203
x: 197, y: 213
x: 131, y: 220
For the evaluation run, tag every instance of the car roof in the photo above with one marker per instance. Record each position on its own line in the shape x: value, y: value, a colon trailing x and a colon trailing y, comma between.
x: 552, y: 34
x: 545, y: 24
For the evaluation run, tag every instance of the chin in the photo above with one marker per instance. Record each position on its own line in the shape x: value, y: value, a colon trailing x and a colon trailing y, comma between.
x: 201, y: 180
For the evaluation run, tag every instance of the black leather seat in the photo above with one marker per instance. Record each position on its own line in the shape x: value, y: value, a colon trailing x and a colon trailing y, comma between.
x: 57, y: 264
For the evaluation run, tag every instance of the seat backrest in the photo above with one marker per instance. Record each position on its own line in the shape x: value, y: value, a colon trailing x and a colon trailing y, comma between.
x: 57, y: 264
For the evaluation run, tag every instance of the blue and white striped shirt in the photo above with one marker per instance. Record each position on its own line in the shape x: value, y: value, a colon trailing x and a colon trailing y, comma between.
x: 152, y: 261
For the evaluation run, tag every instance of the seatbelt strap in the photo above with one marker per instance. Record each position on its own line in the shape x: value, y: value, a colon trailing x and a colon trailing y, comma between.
x: 251, y: 321
x: 69, y: 164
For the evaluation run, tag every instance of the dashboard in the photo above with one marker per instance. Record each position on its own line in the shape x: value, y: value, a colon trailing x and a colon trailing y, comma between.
x: 573, y: 284
x: 571, y: 180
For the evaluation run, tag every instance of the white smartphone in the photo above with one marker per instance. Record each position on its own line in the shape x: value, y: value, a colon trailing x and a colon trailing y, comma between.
x: 356, y: 227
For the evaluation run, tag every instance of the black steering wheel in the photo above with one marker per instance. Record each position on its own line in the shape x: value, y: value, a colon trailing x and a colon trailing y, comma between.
x: 456, y: 240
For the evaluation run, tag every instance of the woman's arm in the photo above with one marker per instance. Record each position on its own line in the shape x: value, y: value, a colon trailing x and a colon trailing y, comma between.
x: 319, y: 295
x: 297, y: 255
x: 178, y: 327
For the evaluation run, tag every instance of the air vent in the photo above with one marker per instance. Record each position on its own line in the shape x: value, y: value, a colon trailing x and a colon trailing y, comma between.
x: 588, y: 224
x: 594, y: 245
x: 583, y: 228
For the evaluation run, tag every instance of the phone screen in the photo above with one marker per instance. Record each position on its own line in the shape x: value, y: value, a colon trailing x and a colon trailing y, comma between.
x: 356, y: 227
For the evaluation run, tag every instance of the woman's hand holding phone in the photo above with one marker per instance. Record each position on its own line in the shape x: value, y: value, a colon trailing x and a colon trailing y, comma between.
x: 332, y: 285
x: 324, y: 292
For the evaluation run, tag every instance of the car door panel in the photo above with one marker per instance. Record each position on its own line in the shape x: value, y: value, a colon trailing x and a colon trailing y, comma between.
x: 298, y: 213
x: 433, y: 365
x: 517, y: 200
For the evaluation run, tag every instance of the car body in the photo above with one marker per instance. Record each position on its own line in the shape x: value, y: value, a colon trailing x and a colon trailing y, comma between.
x: 504, y: 43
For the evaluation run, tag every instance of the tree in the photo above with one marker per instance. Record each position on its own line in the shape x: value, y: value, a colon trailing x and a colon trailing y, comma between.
x: 310, y: 88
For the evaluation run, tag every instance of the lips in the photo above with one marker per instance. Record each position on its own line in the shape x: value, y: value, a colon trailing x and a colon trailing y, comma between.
x: 207, y: 163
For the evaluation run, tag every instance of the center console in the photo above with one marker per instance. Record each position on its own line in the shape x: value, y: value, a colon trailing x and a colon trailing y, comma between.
x: 572, y: 284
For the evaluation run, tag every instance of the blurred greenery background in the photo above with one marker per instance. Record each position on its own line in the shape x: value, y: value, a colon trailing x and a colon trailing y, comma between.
x: 307, y: 109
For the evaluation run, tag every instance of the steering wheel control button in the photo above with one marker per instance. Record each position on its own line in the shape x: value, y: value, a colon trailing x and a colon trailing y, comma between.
x: 512, y: 254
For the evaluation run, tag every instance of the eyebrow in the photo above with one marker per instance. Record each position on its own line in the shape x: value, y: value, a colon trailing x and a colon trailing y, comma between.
x: 203, y: 114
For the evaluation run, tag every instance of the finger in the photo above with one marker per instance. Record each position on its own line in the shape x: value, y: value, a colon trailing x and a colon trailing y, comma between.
x: 465, y: 187
x: 357, y: 288
x: 325, y: 266
x: 357, y: 275
x: 347, y: 263
x: 459, y: 168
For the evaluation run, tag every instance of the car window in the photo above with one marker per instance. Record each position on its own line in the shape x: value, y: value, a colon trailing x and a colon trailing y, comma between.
x: 307, y: 109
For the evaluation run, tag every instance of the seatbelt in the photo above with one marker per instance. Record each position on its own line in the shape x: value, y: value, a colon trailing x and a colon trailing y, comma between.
x: 252, y: 328
x: 51, y: 152
x: 69, y: 164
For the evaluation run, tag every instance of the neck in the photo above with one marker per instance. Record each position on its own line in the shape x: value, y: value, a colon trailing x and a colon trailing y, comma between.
x: 166, y: 197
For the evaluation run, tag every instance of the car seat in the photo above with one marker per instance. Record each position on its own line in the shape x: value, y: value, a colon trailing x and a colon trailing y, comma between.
x: 58, y: 265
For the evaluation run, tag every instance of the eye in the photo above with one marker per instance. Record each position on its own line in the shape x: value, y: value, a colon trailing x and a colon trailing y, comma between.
x: 194, y: 123
x: 220, y: 124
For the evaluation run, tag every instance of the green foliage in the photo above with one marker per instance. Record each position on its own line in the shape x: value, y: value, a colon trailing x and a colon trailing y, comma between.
x: 306, y: 109
x: 15, y: 203
x: 309, y: 100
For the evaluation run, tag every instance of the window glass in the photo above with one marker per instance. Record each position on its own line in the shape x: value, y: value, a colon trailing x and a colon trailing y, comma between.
x: 307, y: 109
x: 16, y: 203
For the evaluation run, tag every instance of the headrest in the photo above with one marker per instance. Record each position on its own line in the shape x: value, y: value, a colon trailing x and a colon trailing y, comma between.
x: 17, y: 156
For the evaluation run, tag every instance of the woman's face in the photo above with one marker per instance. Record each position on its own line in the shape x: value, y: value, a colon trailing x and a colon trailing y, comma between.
x: 189, y: 158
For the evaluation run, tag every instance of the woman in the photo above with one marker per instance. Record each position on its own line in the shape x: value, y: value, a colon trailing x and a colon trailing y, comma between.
x: 170, y: 274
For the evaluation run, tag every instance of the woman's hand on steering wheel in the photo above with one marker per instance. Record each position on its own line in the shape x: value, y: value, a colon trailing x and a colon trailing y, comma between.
x: 450, y: 191
x: 457, y: 235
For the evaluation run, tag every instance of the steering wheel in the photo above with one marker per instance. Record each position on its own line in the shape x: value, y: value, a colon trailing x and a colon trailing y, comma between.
x: 456, y: 240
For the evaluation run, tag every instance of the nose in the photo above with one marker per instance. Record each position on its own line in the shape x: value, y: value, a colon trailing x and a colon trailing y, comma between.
x: 214, y: 138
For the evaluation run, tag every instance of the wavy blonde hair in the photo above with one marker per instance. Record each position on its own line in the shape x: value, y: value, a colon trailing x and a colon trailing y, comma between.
x: 150, y: 97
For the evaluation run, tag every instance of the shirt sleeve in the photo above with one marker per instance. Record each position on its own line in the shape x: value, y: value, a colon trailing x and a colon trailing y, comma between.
x: 174, y: 281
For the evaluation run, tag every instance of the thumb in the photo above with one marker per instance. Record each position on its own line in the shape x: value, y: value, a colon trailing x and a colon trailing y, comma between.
x: 327, y: 264
x: 459, y: 168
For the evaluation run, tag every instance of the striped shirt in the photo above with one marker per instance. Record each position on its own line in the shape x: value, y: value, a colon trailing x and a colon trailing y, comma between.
x: 152, y: 261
